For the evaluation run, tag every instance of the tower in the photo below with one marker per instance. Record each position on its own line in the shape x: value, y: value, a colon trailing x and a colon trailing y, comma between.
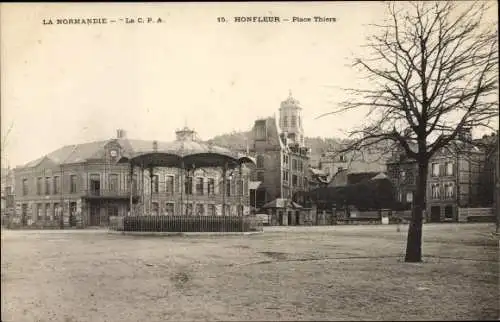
x: 291, y: 120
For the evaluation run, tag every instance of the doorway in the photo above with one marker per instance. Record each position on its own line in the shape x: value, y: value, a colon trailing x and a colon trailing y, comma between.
x: 24, y: 214
x: 95, y: 185
x: 95, y: 215
x: 448, y: 213
x: 435, y: 214
x: 289, y: 218
x: 297, y: 218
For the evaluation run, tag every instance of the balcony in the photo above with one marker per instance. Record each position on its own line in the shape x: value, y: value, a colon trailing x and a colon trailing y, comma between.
x: 110, y: 194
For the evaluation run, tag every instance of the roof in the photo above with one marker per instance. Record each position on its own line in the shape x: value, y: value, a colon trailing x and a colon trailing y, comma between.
x: 317, y: 172
x: 380, y: 176
x: 185, y: 153
x: 353, y: 178
x: 282, y: 203
x: 254, y: 185
x: 95, y: 150
x: 71, y: 153
x: 339, y: 179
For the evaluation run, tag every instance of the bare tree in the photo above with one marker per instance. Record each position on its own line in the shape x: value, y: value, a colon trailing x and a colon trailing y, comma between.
x: 433, y: 72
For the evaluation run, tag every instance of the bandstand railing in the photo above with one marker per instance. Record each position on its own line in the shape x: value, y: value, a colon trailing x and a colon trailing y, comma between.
x: 179, y: 224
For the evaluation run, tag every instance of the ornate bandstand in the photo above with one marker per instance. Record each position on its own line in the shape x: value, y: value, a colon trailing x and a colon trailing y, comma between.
x: 188, y: 155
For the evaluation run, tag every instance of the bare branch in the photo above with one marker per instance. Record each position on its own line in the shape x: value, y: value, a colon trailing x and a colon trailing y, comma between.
x: 434, y: 67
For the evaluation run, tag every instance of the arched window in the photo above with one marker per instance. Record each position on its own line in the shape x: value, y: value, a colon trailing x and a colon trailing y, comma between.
x: 260, y: 161
x: 294, y: 121
x: 285, y: 121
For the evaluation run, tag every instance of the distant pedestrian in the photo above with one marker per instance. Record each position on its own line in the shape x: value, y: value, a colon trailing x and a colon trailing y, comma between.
x: 398, y: 222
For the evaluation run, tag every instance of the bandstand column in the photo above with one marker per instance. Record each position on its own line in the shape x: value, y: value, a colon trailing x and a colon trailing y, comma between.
x: 143, y: 192
x: 131, y: 184
x: 224, y: 187
x: 151, y: 174
x: 240, y: 188
x: 181, y: 178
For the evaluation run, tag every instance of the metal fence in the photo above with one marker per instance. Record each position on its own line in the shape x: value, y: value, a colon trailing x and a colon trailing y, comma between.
x: 185, y: 224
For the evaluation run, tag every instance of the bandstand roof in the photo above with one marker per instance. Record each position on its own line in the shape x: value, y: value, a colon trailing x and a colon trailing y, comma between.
x: 187, y: 154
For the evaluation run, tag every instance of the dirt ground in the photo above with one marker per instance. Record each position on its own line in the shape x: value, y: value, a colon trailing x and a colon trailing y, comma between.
x: 285, y: 273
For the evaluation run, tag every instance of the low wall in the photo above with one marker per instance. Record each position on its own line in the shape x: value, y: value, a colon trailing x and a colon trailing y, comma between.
x: 476, y: 215
x: 16, y: 223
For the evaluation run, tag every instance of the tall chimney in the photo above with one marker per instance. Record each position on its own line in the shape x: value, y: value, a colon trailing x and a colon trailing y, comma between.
x: 120, y: 134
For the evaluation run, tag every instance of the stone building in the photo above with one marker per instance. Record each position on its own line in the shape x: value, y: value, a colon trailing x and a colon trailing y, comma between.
x: 369, y: 159
x: 7, y: 194
x: 282, y: 159
x: 335, y: 166
x: 457, y: 178
x: 84, y: 185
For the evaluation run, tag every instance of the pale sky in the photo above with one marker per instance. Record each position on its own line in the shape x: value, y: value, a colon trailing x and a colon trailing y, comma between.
x: 67, y: 84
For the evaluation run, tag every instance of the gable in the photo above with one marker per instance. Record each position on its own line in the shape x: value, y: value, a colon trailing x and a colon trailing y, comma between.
x: 46, y: 163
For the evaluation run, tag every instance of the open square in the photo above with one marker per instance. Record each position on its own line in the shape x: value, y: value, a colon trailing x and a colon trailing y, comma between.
x: 285, y: 273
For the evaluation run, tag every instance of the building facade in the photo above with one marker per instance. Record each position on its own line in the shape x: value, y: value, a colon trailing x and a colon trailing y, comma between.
x: 84, y: 185
x: 282, y: 159
x: 7, y: 194
x: 456, y: 179
x: 369, y: 159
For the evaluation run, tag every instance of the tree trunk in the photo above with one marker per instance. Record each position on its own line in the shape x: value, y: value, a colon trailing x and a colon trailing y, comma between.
x: 414, y: 241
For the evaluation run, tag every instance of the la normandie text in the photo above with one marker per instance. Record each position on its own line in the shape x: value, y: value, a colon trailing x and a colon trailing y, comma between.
x: 76, y: 21
x: 101, y: 21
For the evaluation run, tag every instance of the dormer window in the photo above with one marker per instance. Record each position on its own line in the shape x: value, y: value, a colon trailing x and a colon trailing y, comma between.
x: 260, y: 131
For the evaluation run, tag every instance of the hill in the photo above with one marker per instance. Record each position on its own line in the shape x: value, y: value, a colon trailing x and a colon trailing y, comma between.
x: 238, y: 141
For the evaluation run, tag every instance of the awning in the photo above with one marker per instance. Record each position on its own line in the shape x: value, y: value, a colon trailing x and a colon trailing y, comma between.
x: 282, y: 203
x: 254, y: 185
x: 317, y: 172
x: 380, y: 176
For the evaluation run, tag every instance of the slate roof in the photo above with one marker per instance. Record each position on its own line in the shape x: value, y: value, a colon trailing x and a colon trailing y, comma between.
x: 353, y: 178
x: 72, y: 153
